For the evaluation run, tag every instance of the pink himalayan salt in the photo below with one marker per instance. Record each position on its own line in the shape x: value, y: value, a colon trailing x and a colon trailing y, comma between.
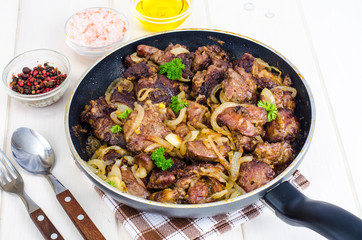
x: 96, y: 27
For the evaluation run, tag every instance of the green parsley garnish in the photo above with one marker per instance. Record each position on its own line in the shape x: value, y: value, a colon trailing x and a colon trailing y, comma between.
x: 173, y: 69
x: 116, y: 128
x: 160, y: 160
x: 176, y: 104
x: 270, y: 108
x: 123, y: 115
x: 113, y: 184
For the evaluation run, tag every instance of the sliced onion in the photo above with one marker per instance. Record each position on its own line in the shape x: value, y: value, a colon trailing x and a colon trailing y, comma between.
x: 118, y: 149
x: 219, y: 194
x: 134, y: 169
x: 287, y: 89
x: 174, y: 139
x: 144, y: 92
x: 137, y: 122
x: 222, y: 160
x: 268, y: 95
x: 98, y: 167
x: 115, y: 171
x: 184, y: 79
x: 125, y: 85
x: 259, y: 139
x: 223, y: 98
x: 163, y: 143
x: 135, y: 58
x: 129, y: 159
x: 213, y: 93
x: 115, y: 118
x: 179, y: 50
x: 141, y: 172
x: 178, y: 120
x: 151, y: 147
x: 219, y: 110
x: 235, y: 165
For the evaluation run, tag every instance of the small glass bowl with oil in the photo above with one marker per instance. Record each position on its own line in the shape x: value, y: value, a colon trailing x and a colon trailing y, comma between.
x: 161, y: 15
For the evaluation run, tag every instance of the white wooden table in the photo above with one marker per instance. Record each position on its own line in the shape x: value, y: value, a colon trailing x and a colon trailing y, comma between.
x: 322, y: 38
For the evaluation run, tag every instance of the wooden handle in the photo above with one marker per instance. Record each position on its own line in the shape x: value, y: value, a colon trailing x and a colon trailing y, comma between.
x: 79, y: 217
x: 45, y: 226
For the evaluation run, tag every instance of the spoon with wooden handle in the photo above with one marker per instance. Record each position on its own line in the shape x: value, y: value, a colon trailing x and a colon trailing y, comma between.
x: 34, y: 153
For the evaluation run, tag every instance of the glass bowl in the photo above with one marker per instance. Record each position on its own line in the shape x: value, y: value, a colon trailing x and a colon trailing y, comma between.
x: 83, y: 45
x: 32, y: 59
x: 160, y: 23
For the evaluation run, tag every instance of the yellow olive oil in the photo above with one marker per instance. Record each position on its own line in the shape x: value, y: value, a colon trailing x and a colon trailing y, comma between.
x: 158, y: 10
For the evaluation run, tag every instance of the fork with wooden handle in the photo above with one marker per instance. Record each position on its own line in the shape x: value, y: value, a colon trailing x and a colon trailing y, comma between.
x: 11, y: 181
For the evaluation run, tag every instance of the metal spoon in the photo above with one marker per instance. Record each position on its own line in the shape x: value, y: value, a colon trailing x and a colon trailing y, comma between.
x: 34, y: 154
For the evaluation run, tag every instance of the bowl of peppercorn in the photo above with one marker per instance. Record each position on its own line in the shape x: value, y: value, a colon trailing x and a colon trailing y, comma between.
x: 37, y: 78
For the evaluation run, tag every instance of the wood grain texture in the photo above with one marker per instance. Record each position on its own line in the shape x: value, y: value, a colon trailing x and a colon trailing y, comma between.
x: 45, y: 226
x: 79, y: 217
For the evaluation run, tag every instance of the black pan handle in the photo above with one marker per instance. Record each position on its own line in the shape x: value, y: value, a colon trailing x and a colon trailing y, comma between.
x: 296, y: 209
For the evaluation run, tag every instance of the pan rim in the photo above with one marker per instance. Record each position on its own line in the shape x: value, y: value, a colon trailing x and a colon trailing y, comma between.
x: 257, y: 192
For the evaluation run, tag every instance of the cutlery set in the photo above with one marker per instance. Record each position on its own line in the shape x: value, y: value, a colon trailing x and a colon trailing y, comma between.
x: 35, y: 155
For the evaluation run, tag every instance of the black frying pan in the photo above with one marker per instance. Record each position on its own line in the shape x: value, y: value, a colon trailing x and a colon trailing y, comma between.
x: 288, y: 203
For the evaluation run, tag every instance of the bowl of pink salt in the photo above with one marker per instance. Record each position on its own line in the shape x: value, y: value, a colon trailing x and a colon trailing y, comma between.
x: 93, y: 32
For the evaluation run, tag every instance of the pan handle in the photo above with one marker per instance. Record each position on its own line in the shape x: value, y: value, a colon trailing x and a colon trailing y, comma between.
x: 296, y: 209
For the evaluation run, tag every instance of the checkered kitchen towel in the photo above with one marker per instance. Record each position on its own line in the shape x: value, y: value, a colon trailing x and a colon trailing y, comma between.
x: 148, y: 226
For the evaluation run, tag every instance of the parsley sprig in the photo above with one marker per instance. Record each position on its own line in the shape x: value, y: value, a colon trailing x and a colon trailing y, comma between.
x: 113, y: 184
x: 160, y: 160
x: 116, y: 129
x: 173, y: 69
x: 176, y: 105
x: 270, y: 108
x: 123, y: 115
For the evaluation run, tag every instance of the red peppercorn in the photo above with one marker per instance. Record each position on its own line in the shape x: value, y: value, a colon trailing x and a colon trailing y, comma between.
x: 35, y: 73
x: 21, y: 84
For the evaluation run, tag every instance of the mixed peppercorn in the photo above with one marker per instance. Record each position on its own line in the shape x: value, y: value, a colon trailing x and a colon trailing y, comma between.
x: 42, y: 79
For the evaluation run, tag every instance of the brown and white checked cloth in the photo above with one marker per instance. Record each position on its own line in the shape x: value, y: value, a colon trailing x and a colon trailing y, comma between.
x: 149, y: 226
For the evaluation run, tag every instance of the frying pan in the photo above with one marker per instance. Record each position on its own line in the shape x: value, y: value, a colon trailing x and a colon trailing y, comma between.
x: 287, y: 202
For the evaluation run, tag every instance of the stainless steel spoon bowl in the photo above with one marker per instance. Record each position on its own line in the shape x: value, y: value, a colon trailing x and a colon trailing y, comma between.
x: 34, y: 153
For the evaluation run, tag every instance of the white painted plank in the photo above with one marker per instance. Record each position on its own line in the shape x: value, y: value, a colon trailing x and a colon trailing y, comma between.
x: 8, y: 23
x: 337, y: 44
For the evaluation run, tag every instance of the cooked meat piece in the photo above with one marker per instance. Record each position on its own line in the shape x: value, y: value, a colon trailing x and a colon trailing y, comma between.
x: 144, y: 160
x: 195, y: 113
x: 160, y: 57
x: 256, y: 115
x: 204, y: 81
x: 97, y: 115
x: 166, y: 88
x: 163, y: 179
x: 239, y: 86
x: 254, y: 174
x: 198, y: 192
x: 244, y: 143
x: 284, y: 128
x: 261, y: 71
x: 111, y: 156
x: 133, y: 186
x: 274, y: 153
x: 152, y: 125
x: 209, y: 55
x: 202, y: 190
x: 169, y: 195
x: 198, y: 151
x: 248, y: 120
x: 139, y: 70
x: 124, y: 93
x: 182, y: 130
x: 283, y: 99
